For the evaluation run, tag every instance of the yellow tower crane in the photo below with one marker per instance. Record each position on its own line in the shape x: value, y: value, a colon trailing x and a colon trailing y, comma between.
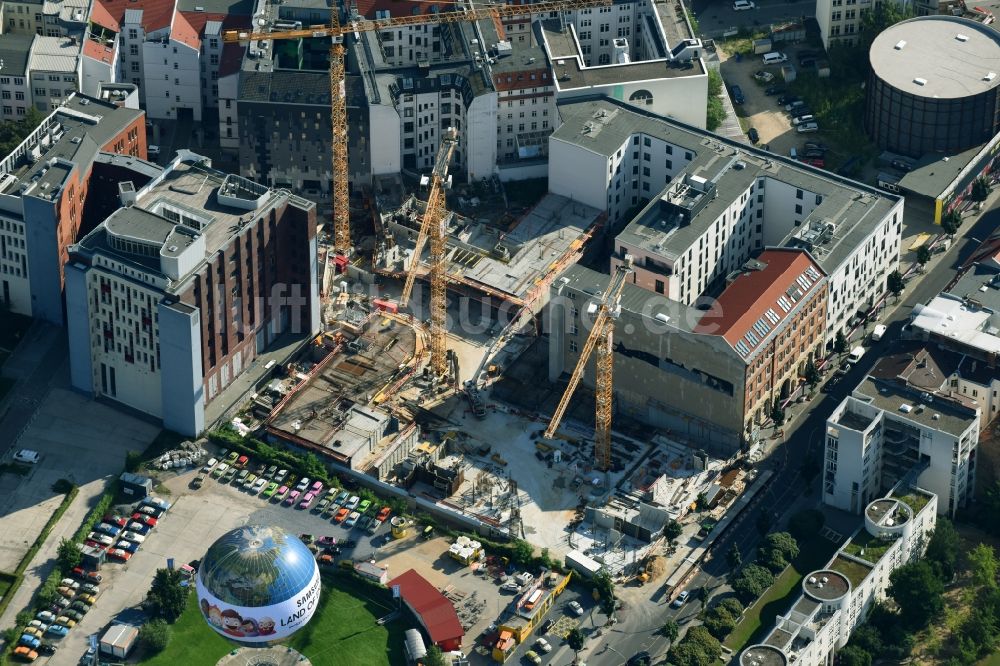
x: 601, y: 338
x: 433, y: 225
x: 338, y: 103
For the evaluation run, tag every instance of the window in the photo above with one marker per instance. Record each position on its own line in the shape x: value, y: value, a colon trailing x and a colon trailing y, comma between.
x: 573, y: 346
x: 659, y: 286
x: 798, y: 194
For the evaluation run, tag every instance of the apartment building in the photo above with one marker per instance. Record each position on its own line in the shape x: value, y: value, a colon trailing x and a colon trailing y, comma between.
x: 49, y: 19
x: 898, y: 425
x: 53, y: 65
x: 711, y: 204
x: 174, y: 295
x: 172, y: 51
x: 15, y: 86
x: 836, y: 599
x: 45, y: 183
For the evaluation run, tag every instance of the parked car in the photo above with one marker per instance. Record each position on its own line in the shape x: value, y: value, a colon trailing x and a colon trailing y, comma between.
x: 249, y: 481
x: 575, y: 608
x: 763, y: 76
x: 902, y: 165
x: 303, y: 484
x: 340, y: 516
x: 46, y: 649
x: 788, y: 99
x: 25, y: 653
x: 134, y: 537
x: 282, y: 474
x: 46, y: 617
x: 681, y: 599
x: 128, y: 545
x: 27, y: 456
x: 30, y: 641
x: 543, y: 645
x: 120, y: 521
x: 807, y: 62
x: 737, y: 94
x: 316, y: 488
x: 532, y: 657
x: 753, y: 135
x: 89, y: 576
x: 807, y: 127
x: 292, y: 497
x: 813, y: 145
x: 242, y: 461
x: 119, y: 554
x: 280, y: 494
x: 79, y: 607
x: 219, y: 470
x: 67, y: 592
x: 73, y: 614
x: 231, y: 457
x: 794, y: 104
x: 363, y: 506
x: 817, y: 162
x: 33, y: 631
x: 816, y: 154
x: 109, y: 529
x: 144, y: 519
x: 57, y: 630
x: 800, y: 111
x: 102, y: 539
x: 743, y: 5
x: 139, y: 528
x: 352, y: 519
x: 241, y: 476
x: 322, y: 504
x: 152, y: 151
x: 774, y: 90
x: 806, y: 118
x: 258, y: 485
x: 271, y: 471
x: 383, y: 514
x: 307, y: 501
x: 90, y: 588
x: 774, y: 58
x: 271, y: 487
x: 342, y: 497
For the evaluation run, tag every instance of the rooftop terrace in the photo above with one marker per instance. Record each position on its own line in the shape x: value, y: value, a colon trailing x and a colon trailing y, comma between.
x: 933, y: 412
x: 825, y: 585
x: 852, y: 570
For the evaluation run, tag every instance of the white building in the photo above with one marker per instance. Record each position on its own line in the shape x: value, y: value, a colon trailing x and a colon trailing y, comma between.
x: 54, y: 67
x: 888, y: 430
x: 837, y: 598
x: 711, y: 203
x: 174, y: 295
x: 15, y: 87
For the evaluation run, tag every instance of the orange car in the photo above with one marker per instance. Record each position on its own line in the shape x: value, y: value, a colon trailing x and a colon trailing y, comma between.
x: 340, y: 515
x: 383, y: 514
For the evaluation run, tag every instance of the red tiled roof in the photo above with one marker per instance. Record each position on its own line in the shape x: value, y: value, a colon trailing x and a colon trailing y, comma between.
x: 522, y: 79
x: 156, y: 14
x: 96, y: 51
x: 367, y: 8
x: 436, y: 612
x: 185, y: 33
x: 753, y: 305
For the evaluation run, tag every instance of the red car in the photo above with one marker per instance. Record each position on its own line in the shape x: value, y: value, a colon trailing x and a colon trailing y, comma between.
x: 242, y: 461
x: 115, y: 520
x: 119, y: 554
x: 383, y: 514
x: 89, y: 576
x: 815, y: 161
x: 144, y: 519
x: 94, y: 544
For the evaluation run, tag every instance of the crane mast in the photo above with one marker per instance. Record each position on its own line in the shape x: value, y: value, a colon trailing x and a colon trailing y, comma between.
x: 601, y: 339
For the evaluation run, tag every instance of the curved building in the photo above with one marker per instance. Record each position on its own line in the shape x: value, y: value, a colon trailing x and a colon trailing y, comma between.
x: 258, y: 584
x: 932, y: 86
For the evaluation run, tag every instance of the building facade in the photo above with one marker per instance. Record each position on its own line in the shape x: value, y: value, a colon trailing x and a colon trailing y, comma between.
x: 45, y: 184
x: 836, y: 599
x: 176, y: 293
x: 710, y: 204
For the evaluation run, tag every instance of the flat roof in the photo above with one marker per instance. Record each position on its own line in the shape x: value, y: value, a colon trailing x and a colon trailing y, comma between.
x: 826, y: 585
x: 854, y: 421
x: 949, y: 317
x: 14, y: 51
x: 933, y: 174
x: 603, y: 126
x: 980, y: 284
x: 763, y: 655
x: 54, y: 54
x: 940, y: 57
x: 939, y: 414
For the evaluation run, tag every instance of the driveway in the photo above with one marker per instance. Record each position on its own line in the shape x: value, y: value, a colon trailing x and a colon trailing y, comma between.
x: 759, y: 110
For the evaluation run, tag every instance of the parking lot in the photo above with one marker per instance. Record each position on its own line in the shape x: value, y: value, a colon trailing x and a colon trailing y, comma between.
x: 761, y: 111
x: 198, y: 517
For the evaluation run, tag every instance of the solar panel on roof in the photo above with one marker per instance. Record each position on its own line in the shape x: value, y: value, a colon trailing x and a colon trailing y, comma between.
x: 751, y: 338
x: 784, y: 303
x: 773, y: 316
x: 742, y: 348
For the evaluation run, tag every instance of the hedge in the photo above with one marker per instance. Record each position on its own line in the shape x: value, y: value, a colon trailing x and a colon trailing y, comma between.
x: 18, y: 575
x: 305, y: 465
x: 95, y: 515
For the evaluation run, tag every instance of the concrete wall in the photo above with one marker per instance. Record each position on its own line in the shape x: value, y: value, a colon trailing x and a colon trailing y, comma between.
x: 81, y: 368
x: 480, y: 135
x: 172, y: 78
x: 672, y: 98
x: 183, y: 399
x: 15, y: 290
x: 229, y: 127
x: 41, y: 240
x: 94, y: 72
x: 578, y: 174
x: 385, y: 140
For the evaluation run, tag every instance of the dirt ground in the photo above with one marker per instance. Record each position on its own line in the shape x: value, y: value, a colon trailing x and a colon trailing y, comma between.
x: 759, y: 110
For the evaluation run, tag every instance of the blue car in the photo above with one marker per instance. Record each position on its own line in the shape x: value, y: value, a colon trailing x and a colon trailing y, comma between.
x: 57, y: 630
x: 128, y: 545
x: 139, y: 528
x: 109, y: 529
x: 737, y: 94
x: 30, y: 641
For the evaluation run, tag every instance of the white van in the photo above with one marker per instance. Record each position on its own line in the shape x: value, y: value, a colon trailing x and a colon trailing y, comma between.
x: 878, y: 332
x: 856, y: 355
x: 27, y: 456
x: 774, y: 57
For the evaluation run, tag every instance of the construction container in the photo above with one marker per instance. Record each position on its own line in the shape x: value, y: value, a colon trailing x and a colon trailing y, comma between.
x: 119, y: 640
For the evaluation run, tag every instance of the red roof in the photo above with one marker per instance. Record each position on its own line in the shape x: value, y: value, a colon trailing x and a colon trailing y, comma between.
x: 753, y: 305
x: 519, y: 80
x: 435, y: 611
x: 92, y: 49
x: 156, y: 14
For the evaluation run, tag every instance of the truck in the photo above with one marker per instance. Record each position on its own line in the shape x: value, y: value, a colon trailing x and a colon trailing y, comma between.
x: 878, y: 332
x: 855, y: 355
x: 582, y: 564
x: 119, y: 640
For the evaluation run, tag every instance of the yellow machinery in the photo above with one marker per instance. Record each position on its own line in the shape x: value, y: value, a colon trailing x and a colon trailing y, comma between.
x: 601, y: 338
x: 433, y: 225
x: 338, y: 112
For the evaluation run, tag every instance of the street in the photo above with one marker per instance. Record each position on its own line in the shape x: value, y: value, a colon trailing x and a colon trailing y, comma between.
x: 717, y: 16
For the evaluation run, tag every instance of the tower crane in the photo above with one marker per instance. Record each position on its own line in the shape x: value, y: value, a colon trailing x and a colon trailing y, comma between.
x: 433, y: 225
x: 338, y: 103
x: 601, y: 338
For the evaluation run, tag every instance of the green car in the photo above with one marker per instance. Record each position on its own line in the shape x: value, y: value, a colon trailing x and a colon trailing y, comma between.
x: 231, y: 458
x: 364, y: 506
x: 249, y: 480
x: 230, y: 474
x: 271, y: 487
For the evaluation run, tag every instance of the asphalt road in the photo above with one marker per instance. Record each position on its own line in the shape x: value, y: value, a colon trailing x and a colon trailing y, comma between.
x: 717, y: 16
x: 786, y: 493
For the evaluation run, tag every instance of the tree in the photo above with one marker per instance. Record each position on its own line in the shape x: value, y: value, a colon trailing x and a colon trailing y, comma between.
x: 154, y: 636
x: 943, y: 550
x: 575, y: 640
x: 670, y: 630
x: 918, y: 592
x: 840, y: 342
x: 980, y: 189
x: 983, y: 565
x: 733, y: 557
x: 69, y: 555
x: 522, y: 552
x: 133, y: 460
x: 716, y: 112
x: 434, y: 657
x: 806, y: 523
x: 719, y: 624
x: 854, y: 656
x: 951, y: 222
x: 811, y: 374
x: 751, y: 582
x: 709, y: 645
x: 605, y: 587
x: 672, y: 530
x: 923, y: 255
x: 895, y: 284
x: 778, y: 413
x: 782, y: 542
x: 166, y: 598
x: 13, y: 132
x: 868, y: 638
x: 702, y: 501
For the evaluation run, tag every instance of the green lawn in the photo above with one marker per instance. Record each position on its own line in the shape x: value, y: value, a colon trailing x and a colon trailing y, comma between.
x: 915, y: 501
x: 787, y: 587
x: 343, y: 632
x: 855, y: 571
